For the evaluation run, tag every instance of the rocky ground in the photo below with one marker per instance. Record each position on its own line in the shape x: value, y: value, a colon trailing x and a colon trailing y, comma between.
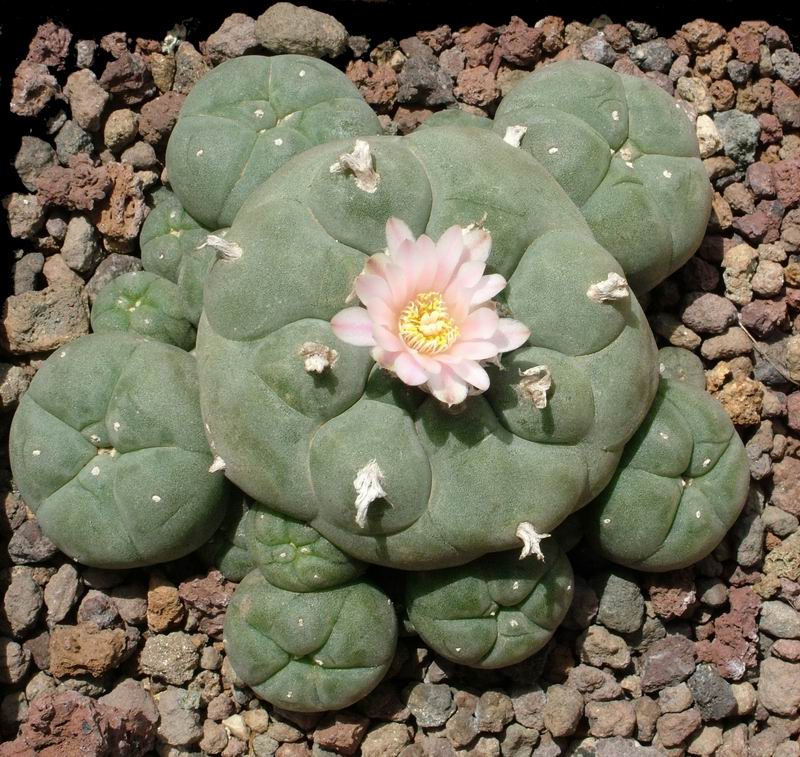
x: 701, y: 661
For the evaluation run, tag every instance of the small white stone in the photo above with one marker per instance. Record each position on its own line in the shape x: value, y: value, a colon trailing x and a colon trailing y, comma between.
x: 37, y: 452
x: 156, y: 498
x: 553, y: 150
x: 278, y: 142
x: 666, y: 174
x: 95, y: 471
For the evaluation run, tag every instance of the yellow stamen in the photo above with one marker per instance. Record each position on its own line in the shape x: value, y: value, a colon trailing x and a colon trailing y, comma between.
x: 426, y: 326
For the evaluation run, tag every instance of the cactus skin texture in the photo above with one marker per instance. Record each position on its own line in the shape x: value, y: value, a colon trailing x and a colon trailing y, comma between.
x: 145, y: 304
x: 174, y: 246
x: 493, y: 612
x: 293, y: 556
x: 227, y: 549
x: 678, y: 364
x: 680, y: 486
x: 249, y: 116
x: 626, y: 155
x: 312, y: 651
x: 303, y: 236
x: 107, y: 448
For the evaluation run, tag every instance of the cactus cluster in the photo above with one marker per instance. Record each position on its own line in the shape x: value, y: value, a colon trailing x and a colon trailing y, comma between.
x: 424, y: 353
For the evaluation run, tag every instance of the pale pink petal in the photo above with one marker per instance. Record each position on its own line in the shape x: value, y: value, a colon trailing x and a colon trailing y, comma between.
x: 370, y: 287
x: 469, y: 274
x: 447, y: 387
x: 382, y: 313
x: 430, y: 261
x: 429, y: 364
x: 510, y: 334
x: 376, y: 263
x: 397, y: 232
x: 387, y: 339
x: 472, y: 373
x: 398, y: 286
x: 457, y: 301
x: 354, y: 326
x: 411, y: 262
x: 471, y: 351
x: 382, y: 357
x: 478, y: 243
x: 480, y: 324
x: 487, y: 287
x: 449, y: 250
x: 408, y: 370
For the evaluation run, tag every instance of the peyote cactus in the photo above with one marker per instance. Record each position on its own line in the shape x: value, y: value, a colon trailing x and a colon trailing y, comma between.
x: 299, y: 242
x: 493, y: 612
x: 310, y: 651
x: 423, y: 353
x: 625, y: 153
x: 107, y: 448
x: 249, y: 116
x: 143, y: 303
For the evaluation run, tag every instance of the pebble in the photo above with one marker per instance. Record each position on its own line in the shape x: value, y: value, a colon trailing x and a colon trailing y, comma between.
x: 707, y: 313
x: 190, y: 67
x: 563, y: 710
x: 28, y: 545
x: 779, y: 620
x: 112, y: 266
x: 667, y: 662
x: 72, y: 140
x: 25, y: 215
x: 120, y: 129
x: 87, y: 99
x: 616, y: 718
x: 81, y: 248
x: 22, y: 602
x: 27, y: 271
x: 621, y: 605
x: 653, y: 55
x: 180, y: 718
x: 236, y: 36
x: 33, y: 156
x: 172, y: 658
x: 598, y: 647
x: 341, y: 732
x: 674, y: 728
x: 779, y: 687
x: 740, y: 133
x: 431, y: 704
x: 493, y: 712
x: 712, y: 693
x: 675, y: 698
x: 286, y: 28
x: 85, y: 649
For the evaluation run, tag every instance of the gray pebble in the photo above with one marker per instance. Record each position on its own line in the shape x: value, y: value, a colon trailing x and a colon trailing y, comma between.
x: 71, y: 140
x: 81, y: 249
x: 621, y: 605
x: 779, y: 620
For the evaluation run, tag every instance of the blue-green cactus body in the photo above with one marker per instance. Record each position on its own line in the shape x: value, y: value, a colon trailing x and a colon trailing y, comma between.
x: 458, y: 483
x: 143, y: 303
x: 310, y: 651
x: 625, y: 153
x: 681, y: 484
x: 108, y: 449
x: 493, y: 612
x: 249, y: 116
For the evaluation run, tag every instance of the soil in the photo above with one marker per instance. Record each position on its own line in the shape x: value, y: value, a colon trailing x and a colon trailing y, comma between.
x: 700, y: 661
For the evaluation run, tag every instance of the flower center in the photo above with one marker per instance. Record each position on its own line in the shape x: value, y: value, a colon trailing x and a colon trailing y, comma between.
x: 425, y: 324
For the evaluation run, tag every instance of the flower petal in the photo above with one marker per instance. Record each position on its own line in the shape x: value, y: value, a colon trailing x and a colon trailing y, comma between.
x: 408, y: 370
x: 480, y: 324
x: 381, y: 313
x: 370, y: 287
x: 483, y: 350
x: 510, y: 334
x: 428, y: 364
x: 447, y: 387
x: 386, y: 339
x: 478, y: 243
x: 398, y: 284
x: 353, y: 326
x: 472, y: 373
x: 449, y: 250
x: 430, y: 261
x: 397, y: 231
x: 487, y: 287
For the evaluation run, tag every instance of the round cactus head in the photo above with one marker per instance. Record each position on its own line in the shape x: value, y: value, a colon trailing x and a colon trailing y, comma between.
x: 312, y: 651
x: 108, y: 449
x: 227, y: 549
x: 626, y: 154
x: 399, y: 440
x: 681, y: 484
x: 249, y: 116
x: 493, y: 612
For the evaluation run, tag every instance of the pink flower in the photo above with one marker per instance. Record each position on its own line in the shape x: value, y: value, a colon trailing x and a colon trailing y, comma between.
x: 427, y: 313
